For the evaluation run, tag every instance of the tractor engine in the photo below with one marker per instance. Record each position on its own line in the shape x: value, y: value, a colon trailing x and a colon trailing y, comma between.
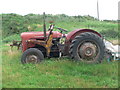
x: 26, y: 36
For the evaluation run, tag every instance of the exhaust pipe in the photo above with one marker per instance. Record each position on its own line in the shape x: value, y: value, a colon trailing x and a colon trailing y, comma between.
x: 44, y: 25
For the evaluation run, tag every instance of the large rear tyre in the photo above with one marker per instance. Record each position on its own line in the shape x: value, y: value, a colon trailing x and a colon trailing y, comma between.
x: 32, y: 55
x: 87, y: 47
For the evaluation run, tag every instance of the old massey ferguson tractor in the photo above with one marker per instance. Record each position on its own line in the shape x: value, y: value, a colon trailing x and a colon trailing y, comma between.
x: 84, y: 45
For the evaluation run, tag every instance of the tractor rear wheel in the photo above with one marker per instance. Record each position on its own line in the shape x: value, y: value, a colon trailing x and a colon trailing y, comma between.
x: 87, y: 47
x: 32, y: 55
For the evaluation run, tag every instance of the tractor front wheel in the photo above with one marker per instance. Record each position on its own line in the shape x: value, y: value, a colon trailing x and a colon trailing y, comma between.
x: 87, y: 47
x: 32, y: 55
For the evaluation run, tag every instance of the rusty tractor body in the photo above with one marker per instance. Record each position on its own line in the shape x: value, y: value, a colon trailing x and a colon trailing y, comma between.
x: 84, y: 45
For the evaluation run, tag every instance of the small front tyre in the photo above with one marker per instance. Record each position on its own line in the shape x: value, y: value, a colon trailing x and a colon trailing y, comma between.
x: 32, y: 55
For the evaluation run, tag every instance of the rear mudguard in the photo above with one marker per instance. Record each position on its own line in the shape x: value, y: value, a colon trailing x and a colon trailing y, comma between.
x: 71, y: 35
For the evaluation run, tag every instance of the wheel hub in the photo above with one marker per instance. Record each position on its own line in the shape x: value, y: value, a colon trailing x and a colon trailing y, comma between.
x: 87, y: 50
x: 31, y: 59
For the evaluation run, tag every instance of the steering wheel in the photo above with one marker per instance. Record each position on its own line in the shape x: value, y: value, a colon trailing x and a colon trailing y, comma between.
x: 62, y: 30
x: 52, y: 27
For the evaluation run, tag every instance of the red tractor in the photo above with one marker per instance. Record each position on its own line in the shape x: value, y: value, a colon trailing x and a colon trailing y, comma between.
x: 84, y: 45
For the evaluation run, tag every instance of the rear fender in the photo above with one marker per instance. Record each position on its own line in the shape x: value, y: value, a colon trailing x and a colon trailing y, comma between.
x: 71, y: 35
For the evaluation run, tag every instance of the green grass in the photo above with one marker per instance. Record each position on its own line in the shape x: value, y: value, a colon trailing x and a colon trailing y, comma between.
x: 11, y: 38
x: 108, y: 29
x: 56, y: 73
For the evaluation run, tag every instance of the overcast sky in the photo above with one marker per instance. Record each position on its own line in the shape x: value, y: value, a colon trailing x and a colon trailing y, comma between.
x: 108, y: 9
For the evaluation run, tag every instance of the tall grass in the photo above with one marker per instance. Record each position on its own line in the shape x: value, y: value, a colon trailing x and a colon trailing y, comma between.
x: 56, y: 73
x: 16, y: 24
x: 107, y: 29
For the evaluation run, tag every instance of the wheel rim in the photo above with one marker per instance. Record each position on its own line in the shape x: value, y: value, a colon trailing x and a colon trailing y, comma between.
x: 31, y: 59
x: 88, y: 51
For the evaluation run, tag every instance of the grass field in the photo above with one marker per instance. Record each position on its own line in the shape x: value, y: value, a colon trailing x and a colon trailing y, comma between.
x: 56, y: 73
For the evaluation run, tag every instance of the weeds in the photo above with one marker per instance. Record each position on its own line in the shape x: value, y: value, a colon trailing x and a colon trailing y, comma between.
x: 56, y: 73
